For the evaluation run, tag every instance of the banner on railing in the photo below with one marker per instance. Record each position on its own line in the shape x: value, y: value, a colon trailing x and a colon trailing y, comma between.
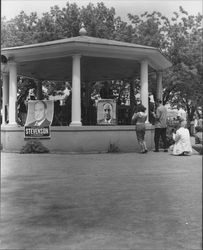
x: 39, y: 119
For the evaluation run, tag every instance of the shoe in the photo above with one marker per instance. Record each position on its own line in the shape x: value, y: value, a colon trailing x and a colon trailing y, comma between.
x: 145, y: 151
x: 165, y: 150
x: 156, y: 150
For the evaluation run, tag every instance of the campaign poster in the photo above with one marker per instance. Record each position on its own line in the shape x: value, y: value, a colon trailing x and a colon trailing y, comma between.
x: 39, y: 119
x: 106, y: 112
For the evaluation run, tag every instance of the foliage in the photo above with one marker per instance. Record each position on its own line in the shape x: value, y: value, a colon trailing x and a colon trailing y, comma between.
x: 54, y: 88
x: 184, y: 85
x: 113, y: 148
x: 98, y: 20
x: 178, y: 38
x: 147, y: 29
x: 123, y: 31
x: 34, y: 147
x: 20, y: 30
x: 58, y: 24
x: 24, y: 84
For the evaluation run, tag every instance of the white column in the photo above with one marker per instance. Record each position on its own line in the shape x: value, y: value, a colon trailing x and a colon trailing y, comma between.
x: 12, y: 92
x: 144, y: 85
x: 76, y: 92
x: 159, y: 89
x: 5, y: 100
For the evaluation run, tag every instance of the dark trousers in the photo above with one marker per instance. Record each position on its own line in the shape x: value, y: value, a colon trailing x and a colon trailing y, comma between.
x: 160, y: 132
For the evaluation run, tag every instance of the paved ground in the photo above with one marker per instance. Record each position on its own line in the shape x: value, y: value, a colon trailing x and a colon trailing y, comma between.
x: 101, y: 202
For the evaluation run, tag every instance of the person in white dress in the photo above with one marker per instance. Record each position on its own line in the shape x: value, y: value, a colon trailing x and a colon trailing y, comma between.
x: 182, y: 144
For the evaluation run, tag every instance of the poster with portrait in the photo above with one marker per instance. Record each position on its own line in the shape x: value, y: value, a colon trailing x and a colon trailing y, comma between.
x: 106, y: 112
x: 39, y: 119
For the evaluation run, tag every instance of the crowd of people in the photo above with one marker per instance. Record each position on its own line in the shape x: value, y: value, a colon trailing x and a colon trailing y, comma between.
x: 157, y: 116
x: 181, y: 135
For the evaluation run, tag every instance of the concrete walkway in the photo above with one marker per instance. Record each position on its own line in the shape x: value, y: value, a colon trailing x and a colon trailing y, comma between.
x: 101, y: 202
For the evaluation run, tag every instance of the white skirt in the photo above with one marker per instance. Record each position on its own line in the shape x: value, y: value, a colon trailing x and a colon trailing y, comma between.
x: 183, y: 144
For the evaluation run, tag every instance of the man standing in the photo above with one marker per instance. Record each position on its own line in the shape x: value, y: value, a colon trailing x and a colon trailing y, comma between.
x: 160, y: 126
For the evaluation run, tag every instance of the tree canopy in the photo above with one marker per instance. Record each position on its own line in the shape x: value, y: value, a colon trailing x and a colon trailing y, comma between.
x: 179, y: 38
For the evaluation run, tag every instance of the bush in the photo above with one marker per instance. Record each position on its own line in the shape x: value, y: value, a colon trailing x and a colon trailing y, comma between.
x: 34, y: 147
x: 113, y: 148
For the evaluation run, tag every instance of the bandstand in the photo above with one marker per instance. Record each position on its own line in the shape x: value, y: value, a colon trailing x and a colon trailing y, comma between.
x: 79, y: 59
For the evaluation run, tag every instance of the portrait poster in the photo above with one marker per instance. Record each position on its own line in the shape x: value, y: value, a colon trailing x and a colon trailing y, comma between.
x: 39, y: 119
x: 106, y: 112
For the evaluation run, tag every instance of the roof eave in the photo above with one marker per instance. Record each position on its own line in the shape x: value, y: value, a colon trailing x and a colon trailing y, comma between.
x: 87, y: 46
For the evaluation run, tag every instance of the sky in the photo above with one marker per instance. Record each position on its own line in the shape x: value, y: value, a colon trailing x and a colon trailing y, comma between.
x: 11, y: 8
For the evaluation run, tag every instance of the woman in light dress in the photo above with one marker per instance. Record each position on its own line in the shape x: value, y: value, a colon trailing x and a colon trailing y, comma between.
x: 139, y: 119
x: 182, y: 144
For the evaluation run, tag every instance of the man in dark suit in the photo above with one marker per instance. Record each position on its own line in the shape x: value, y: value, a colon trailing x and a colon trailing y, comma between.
x: 40, y: 110
x: 160, y: 126
x: 108, y: 119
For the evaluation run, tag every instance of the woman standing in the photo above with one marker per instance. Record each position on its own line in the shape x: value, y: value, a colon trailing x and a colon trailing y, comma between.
x: 139, y: 119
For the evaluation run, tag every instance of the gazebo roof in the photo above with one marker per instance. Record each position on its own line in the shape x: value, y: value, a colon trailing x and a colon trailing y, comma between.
x: 100, y: 58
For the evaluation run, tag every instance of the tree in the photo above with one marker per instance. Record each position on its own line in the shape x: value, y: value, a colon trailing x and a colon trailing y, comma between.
x: 123, y: 31
x: 19, y: 30
x: 184, y: 85
x: 178, y: 38
x: 99, y: 20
